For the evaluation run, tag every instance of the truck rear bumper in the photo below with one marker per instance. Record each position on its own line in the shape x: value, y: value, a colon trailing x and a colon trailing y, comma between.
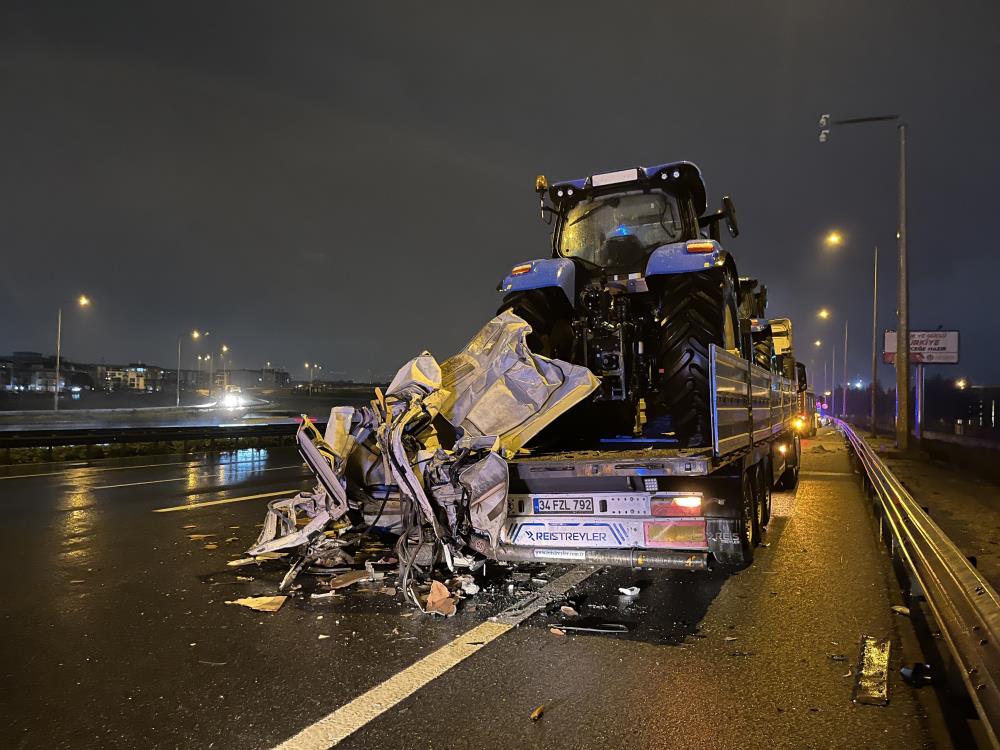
x: 629, y: 558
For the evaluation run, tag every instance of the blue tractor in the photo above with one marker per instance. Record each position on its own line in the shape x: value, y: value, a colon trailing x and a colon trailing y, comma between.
x: 637, y: 288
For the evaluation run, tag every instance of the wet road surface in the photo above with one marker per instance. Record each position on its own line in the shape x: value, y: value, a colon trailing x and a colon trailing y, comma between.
x: 115, y: 632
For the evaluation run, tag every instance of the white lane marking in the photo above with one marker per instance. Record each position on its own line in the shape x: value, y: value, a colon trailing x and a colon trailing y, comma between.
x: 349, y: 718
x: 185, y: 479
x: 116, y: 468
x: 224, y: 501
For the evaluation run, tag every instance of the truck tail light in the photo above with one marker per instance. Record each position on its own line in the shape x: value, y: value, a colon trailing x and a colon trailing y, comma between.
x: 520, y: 270
x: 700, y: 247
x: 679, y: 505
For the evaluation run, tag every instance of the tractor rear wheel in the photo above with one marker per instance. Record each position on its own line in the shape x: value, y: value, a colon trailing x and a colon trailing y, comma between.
x: 548, y: 313
x: 695, y: 310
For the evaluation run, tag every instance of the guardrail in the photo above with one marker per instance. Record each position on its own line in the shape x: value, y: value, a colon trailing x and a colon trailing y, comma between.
x: 107, y: 435
x: 965, y: 606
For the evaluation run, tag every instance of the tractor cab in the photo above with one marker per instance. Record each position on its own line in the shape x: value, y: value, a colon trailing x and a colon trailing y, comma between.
x: 613, y: 222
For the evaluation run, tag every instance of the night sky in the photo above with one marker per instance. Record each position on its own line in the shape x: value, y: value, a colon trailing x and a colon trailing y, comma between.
x: 346, y: 183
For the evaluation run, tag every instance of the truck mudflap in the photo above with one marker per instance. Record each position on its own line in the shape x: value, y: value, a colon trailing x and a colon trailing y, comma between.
x: 723, y: 536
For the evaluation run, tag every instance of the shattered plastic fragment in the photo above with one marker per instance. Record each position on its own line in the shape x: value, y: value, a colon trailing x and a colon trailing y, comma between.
x: 568, y: 611
x: 261, y: 603
x: 901, y: 610
x: 537, y: 713
x: 629, y: 590
x: 557, y: 631
x: 199, y: 537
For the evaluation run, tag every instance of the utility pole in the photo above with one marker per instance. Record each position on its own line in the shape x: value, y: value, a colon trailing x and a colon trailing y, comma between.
x: 843, y: 404
x: 903, y: 328
x: 874, y: 341
x: 178, y: 371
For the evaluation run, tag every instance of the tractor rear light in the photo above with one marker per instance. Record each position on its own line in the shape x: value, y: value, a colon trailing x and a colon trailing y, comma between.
x: 700, y: 247
x: 678, y: 505
x: 520, y: 270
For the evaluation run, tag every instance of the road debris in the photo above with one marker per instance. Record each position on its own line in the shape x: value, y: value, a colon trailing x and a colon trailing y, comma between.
x: 917, y: 674
x: 537, y: 713
x: 211, y: 546
x: 872, y: 684
x: 607, y: 627
x: 629, y: 590
x: 568, y: 611
x: 557, y: 631
x: 899, y: 609
x: 261, y: 603
x: 199, y: 537
x: 439, y: 600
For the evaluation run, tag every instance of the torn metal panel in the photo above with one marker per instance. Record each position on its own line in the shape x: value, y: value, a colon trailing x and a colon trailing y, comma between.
x: 498, y: 387
x: 486, y: 482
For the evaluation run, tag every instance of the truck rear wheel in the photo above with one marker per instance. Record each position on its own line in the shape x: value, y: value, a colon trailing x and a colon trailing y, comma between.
x: 748, y: 526
x: 764, y: 492
x: 696, y: 309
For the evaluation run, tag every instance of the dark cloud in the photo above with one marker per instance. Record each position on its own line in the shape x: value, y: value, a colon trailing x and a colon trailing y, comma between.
x: 346, y: 184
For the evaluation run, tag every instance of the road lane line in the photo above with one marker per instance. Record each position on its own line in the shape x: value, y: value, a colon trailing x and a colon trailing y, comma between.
x: 224, y: 501
x: 185, y: 479
x: 349, y: 718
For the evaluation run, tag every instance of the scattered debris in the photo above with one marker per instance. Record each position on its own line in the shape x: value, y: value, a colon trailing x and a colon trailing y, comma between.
x: 244, y: 578
x: 211, y: 546
x: 872, y: 684
x: 232, y: 539
x: 537, y: 713
x: 190, y: 526
x: 348, y: 579
x: 256, y: 558
x: 213, y: 663
x: 440, y: 601
x: 557, y: 631
x: 607, y: 627
x: 569, y: 611
x: 730, y: 638
x: 629, y: 590
x: 899, y: 609
x: 322, y: 636
x: 199, y: 537
x: 78, y: 580
x: 917, y: 674
x: 261, y: 603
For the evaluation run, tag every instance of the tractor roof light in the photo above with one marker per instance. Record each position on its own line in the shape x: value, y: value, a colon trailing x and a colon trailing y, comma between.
x: 521, y: 269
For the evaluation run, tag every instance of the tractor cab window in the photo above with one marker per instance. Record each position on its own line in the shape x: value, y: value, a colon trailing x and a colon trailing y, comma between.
x: 618, y: 231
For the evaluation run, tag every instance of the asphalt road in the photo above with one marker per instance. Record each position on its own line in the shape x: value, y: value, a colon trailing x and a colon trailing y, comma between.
x: 115, y: 633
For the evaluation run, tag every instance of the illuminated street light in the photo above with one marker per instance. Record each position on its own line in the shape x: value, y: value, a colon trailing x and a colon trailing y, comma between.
x: 961, y: 384
x: 312, y: 371
x: 194, y: 335
x: 817, y: 342
x: 834, y: 239
x: 82, y: 301
x: 824, y: 313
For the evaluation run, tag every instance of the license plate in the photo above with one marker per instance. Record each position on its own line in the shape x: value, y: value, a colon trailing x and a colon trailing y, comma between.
x: 564, y: 504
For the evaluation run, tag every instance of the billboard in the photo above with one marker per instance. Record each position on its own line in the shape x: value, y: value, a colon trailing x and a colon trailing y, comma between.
x: 926, y: 347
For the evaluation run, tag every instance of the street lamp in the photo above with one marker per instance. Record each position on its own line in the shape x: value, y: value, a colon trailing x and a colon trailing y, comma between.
x: 312, y: 370
x: 194, y: 335
x: 903, y: 288
x: 82, y: 301
x: 817, y: 342
x: 824, y: 313
x: 961, y: 384
x: 834, y: 239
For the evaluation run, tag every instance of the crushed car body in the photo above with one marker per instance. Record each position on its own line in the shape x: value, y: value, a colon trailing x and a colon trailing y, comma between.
x: 433, y: 448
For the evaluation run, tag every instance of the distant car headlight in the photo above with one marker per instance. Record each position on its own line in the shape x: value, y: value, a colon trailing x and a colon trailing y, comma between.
x: 232, y: 400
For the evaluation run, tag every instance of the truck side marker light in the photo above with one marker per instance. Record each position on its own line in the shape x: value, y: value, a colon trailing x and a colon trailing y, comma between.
x: 521, y: 269
x: 688, y: 501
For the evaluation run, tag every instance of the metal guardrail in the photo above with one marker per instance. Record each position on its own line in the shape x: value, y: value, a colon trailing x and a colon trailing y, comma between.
x: 53, y: 437
x: 965, y: 606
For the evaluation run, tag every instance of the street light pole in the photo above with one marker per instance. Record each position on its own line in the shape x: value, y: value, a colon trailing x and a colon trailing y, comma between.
x: 833, y: 380
x: 902, y: 291
x: 903, y: 328
x: 843, y: 404
x: 179, y: 370
x: 874, y: 340
x: 55, y: 406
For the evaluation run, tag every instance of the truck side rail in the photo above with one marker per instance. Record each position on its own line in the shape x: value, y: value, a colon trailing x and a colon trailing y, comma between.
x: 749, y: 404
x: 965, y: 606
